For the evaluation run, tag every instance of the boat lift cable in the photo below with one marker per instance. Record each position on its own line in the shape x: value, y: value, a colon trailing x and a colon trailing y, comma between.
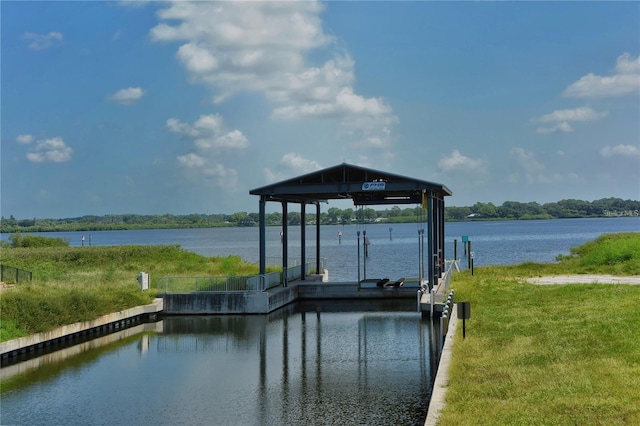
x: 358, y: 245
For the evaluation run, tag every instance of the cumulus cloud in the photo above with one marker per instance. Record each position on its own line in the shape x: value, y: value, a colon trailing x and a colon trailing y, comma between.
x: 263, y: 47
x: 203, y: 168
x: 576, y: 114
x: 562, y: 117
x: 133, y: 3
x: 43, y: 41
x: 458, y: 162
x: 560, y: 127
x: 127, y: 96
x: 25, y: 139
x: 620, y: 150
x: 209, y: 133
x: 625, y: 80
x: 52, y: 150
x: 291, y: 164
x: 211, y: 141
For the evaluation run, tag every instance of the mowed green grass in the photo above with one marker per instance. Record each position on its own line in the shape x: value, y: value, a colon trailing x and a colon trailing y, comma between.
x: 549, y: 354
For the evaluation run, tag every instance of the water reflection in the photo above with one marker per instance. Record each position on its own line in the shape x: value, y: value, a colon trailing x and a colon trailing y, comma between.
x: 311, y: 363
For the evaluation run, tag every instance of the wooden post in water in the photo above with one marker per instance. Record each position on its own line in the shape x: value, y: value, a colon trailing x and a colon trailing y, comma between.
x: 469, y: 254
x: 455, y: 250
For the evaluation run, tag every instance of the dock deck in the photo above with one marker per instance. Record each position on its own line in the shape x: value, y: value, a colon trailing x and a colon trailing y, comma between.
x: 440, y: 295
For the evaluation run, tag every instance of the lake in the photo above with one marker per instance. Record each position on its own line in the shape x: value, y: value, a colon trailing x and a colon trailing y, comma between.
x: 392, y: 254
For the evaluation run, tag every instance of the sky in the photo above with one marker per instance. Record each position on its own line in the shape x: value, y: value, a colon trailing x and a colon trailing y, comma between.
x: 141, y: 107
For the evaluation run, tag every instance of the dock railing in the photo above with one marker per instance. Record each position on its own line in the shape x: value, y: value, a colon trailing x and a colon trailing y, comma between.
x: 230, y: 284
x: 208, y: 284
x: 446, y: 278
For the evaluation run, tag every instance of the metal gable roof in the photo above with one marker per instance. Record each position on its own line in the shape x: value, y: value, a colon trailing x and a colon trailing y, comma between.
x: 345, y: 181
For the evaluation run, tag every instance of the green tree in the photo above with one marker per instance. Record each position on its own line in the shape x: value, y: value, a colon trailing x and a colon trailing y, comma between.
x: 346, y: 215
x: 333, y: 215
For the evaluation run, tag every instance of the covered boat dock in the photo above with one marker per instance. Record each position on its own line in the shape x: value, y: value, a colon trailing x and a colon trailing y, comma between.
x: 365, y: 187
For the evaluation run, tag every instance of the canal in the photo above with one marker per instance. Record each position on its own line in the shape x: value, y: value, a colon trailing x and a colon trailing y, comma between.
x: 325, y: 363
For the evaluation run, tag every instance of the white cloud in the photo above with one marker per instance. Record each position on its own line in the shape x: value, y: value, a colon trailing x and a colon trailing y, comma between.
x: 204, y: 170
x: 620, y: 150
x: 25, y: 139
x: 576, y: 114
x: 263, y: 47
x: 458, y: 162
x: 209, y: 133
x: 127, y: 96
x: 43, y: 41
x: 192, y: 160
x: 562, y: 117
x: 625, y: 80
x: 211, y: 141
x: 52, y: 150
x: 133, y: 3
x: 345, y: 103
x: 291, y: 164
x: 560, y: 127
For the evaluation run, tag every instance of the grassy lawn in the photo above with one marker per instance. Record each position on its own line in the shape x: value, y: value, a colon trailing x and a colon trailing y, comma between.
x: 549, y: 354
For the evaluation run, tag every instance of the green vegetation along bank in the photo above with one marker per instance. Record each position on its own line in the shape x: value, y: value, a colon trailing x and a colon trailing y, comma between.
x: 510, y: 210
x: 549, y: 354
x: 72, y: 284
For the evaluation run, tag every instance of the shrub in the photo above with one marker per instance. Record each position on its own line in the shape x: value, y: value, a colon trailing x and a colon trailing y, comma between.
x: 19, y: 240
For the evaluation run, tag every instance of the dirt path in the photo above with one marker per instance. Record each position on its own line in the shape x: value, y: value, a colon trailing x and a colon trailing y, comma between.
x: 586, y: 279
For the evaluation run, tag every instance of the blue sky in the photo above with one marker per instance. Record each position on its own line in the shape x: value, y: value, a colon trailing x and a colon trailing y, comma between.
x: 161, y: 107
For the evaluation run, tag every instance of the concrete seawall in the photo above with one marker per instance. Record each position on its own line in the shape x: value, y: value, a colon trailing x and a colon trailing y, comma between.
x: 268, y: 301
x: 67, y: 332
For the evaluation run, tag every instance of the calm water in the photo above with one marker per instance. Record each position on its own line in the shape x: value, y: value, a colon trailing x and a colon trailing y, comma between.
x: 391, y: 254
x: 328, y: 364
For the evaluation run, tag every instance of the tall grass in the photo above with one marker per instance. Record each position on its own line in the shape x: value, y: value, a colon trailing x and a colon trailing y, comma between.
x: 72, y: 284
x: 553, y: 354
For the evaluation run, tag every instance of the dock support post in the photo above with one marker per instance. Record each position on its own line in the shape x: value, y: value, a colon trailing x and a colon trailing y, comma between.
x: 303, y: 238
x: 285, y: 243
x: 432, y: 295
x: 263, y: 233
x: 318, y: 239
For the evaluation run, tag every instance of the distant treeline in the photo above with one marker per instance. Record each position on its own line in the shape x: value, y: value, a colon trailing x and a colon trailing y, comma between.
x: 510, y: 210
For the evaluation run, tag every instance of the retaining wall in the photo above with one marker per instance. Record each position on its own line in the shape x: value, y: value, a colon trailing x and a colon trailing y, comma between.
x: 209, y: 303
x: 67, y: 332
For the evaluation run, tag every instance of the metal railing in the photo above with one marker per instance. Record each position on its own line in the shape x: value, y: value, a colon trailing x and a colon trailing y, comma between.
x: 11, y: 275
x: 448, y: 273
x: 266, y: 281
x: 226, y: 284
x: 295, y: 272
x: 208, y: 284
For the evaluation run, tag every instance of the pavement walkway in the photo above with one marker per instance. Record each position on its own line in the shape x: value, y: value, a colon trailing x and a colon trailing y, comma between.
x: 586, y: 279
